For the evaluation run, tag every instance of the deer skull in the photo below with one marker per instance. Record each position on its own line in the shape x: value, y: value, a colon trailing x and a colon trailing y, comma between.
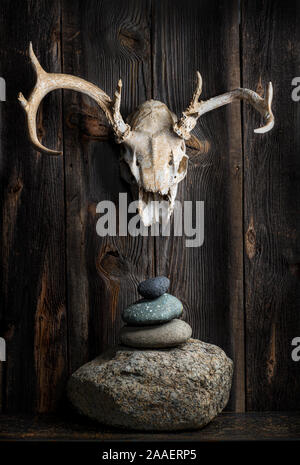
x: 156, y: 158
x: 153, y: 139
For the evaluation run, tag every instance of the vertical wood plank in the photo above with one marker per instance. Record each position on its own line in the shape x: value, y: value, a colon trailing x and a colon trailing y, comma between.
x: 102, y: 41
x: 271, y: 44
x: 204, y: 36
x: 33, y: 313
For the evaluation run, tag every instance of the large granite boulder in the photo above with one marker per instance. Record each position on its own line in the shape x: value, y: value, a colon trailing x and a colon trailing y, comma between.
x: 165, y: 389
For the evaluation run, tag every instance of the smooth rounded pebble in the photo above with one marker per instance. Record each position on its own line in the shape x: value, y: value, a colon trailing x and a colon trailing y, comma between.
x: 152, y: 311
x: 170, y: 334
x: 180, y: 388
x: 154, y: 287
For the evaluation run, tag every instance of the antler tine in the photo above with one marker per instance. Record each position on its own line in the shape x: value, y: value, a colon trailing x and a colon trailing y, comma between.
x: 46, y: 82
x: 121, y: 129
x: 196, y: 94
x: 35, y: 62
x: 31, y: 105
x: 117, y: 97
x: 266, y: 111
x: 187, y: 122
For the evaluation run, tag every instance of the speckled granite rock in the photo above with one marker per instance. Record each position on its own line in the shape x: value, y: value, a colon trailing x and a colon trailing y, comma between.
x: 166, y: 389
x: 154, y: 287
x: 152, y: 311
x: 170, y: 334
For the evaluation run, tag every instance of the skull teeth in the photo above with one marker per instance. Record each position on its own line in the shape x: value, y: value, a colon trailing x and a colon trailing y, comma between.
x: 153, y: 206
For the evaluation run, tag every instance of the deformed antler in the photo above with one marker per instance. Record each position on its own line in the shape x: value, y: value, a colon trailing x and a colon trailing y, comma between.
x: 187, y: 122
x: 46, y: 82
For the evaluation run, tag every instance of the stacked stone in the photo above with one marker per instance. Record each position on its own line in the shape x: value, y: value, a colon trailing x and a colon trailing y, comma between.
x: 186, y: 382
x: 153, y: 322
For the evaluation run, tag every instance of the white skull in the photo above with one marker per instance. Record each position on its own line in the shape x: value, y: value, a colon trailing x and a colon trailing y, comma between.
x: 156, y: 157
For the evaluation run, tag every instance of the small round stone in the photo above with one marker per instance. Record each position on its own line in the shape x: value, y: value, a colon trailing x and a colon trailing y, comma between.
x: 154, y: 287
x: 152, y: 311
x: 170, y: 334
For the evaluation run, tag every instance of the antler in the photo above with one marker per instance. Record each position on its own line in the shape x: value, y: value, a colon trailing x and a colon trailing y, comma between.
x: 46, y: 82
x: 187, y: 122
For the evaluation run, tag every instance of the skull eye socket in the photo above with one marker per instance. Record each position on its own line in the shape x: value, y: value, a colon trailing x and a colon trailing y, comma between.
x: 171, y: 162
x: 183, y: 165
x: 137, y: 163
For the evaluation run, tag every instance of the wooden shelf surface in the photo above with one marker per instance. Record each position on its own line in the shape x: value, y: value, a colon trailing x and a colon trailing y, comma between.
x: 226, y: 427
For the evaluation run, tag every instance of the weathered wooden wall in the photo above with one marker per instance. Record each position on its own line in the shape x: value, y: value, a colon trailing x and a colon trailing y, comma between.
x: 63, y: 287
x: 271, y: 50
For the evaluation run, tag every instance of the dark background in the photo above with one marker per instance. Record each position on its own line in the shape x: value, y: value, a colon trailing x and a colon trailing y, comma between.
x: 62, y: 286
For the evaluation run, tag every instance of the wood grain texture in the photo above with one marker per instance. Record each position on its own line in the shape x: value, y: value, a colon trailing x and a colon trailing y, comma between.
x: 62, y: 286
x: 33, y: 313
x: 102, y: 41
x: 208, y: 279
x: 271, y: 43
x: 227, y: 426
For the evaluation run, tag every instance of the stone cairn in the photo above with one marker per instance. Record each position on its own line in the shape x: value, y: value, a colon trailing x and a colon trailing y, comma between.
x: 158, y: 379
x: 152, y: 322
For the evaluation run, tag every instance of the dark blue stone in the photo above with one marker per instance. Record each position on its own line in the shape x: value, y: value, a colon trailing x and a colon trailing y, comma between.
x: 154, y: 287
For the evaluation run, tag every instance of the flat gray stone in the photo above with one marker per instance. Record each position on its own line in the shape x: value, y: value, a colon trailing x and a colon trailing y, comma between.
x: 152, y: 311
x: 166, y: 389
x: 169, y: 334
